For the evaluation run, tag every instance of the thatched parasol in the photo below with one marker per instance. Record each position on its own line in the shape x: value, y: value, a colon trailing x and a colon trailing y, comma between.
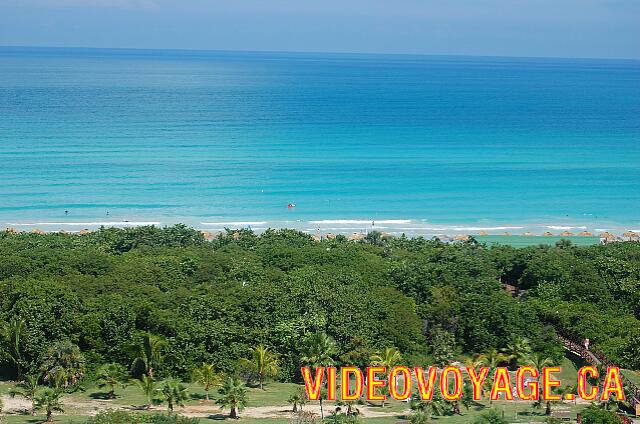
x: 11, y: 230
x: 547, y: 233
x: 356, y: 237
x: 37, y: 231
x: 630, y: 234
x: 585, y: 233
x: 207, y: 235
x: 330, y: 236
x: 566, y: 233
x: 506, y: 233
x: 85, y: 232
x: 461, y: 237
x: 607, y: 235
x: 528, y: 233
x: 483, y: 233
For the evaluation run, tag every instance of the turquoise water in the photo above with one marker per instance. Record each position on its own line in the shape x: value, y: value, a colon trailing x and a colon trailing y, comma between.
x: 417, y: 144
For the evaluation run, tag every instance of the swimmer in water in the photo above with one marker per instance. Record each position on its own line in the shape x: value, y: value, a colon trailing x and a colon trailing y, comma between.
x: 66, y: 212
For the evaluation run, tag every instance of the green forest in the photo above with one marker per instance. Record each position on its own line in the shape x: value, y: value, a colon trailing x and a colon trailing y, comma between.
x: 164, y: 303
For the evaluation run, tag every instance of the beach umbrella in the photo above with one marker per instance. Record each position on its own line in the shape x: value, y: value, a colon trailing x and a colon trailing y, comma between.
x: 356, y: 237
x: 37, y: 231
x: 607, y: 236
x: 585, y: 234
x: 630, y: 234
x: 483, y: 233
x: 528, y: 233
x: 566, y: 233
x: 84, y: 232
x: 547, y: 233
x: 461, y: 237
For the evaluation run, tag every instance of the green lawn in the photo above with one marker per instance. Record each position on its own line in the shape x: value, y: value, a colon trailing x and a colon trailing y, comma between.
x: 276, y: 394
x: 634, y: 376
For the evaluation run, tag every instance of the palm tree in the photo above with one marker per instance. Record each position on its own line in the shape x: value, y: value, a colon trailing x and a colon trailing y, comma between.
x: 473, y: 362
x: 174, y: 393
x: 490, y: 416
x: 318, y: 350
x: 547, y: 411
x: 388, y: 358
x: 148, y: 386
x: 465, y: 400
x: 27, y: 389
x: 491, y: 359
x: 518, y: 350
x: 207, y: 376
x: 263, y: 363
x: 63, y: 364
x: 427, y: 408
x: 538, y: 361
x: 352, y: 410
x: 110, y: 375
x: 13, y: 335
x: 49, y: 400
x: 298, y: 399
x: 150, y: 353
x: 233, y: 396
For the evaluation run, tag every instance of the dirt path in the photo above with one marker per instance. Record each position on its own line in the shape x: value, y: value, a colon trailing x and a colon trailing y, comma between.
x: 92, y: 407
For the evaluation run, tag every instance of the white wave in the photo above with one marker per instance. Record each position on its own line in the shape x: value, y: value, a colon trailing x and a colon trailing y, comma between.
x: 361, y: 221
x: 86, y: 224
x: 562, y: 227
x: 486, y: 228
x: 238, y: 223
x: 600, y: 230
x: 457, y: 228
x: 345, y: 228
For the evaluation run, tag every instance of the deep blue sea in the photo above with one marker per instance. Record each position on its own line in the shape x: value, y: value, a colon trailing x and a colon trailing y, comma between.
x: 417, y: 144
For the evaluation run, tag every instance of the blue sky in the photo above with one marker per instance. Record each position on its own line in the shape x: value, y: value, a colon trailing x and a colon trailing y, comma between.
x: 554, y: 28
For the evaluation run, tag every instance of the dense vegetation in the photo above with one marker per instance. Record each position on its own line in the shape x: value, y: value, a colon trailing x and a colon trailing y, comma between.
x: 113, y: 293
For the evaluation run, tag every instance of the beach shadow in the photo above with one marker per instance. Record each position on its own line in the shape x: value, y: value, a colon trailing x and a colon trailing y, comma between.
x: 218, y: 417
x: 531, y: 414
x: 135, y: 407
x: 102, y: 396
x: 198, y: 396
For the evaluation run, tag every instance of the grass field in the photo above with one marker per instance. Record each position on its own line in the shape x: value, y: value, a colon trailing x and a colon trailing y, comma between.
x: 273, y: 402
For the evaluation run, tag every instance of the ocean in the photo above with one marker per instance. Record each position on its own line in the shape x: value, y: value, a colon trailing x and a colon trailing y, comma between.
x: 401, y: 144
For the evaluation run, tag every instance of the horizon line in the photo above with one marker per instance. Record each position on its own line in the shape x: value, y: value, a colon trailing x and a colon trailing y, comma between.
x: 2, y: 46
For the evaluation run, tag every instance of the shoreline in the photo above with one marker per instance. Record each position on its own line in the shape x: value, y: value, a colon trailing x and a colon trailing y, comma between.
x: 350, y: 227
